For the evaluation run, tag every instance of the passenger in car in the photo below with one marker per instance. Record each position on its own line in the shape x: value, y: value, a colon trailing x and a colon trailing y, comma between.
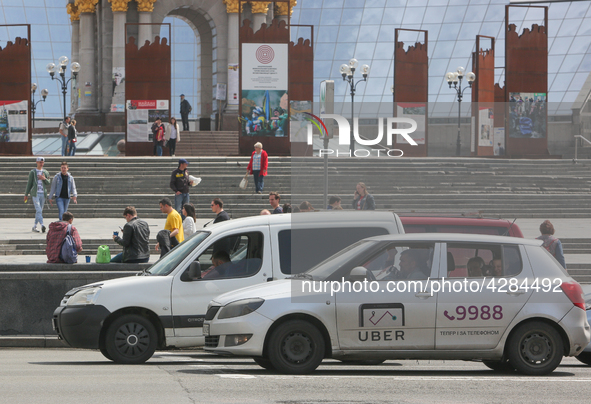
x: 497, y: 265
x: 475, y: 265
x: 412, y: 265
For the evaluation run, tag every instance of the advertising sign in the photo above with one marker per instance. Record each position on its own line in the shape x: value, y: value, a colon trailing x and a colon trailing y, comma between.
x: 14, y: 121
x: 527, y: 115
x: 141, y: 114
x: 486, y: 126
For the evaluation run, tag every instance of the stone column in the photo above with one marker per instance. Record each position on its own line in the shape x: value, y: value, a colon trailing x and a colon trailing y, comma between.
x: 232, y: 96
x: 145, y: 8
x: 87, y: 76
x: 259, y: 14
x: 75, y: 20
x: 119, y: 8
x: 283, y: 12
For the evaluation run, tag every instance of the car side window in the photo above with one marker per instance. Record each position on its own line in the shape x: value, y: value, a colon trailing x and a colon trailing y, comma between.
x: 475, y: 260
x: 402, y: 261
x: 235, y: 256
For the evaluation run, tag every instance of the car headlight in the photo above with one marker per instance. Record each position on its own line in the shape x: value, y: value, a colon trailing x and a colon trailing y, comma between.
x: 240, y: 308
x: 84, y: 297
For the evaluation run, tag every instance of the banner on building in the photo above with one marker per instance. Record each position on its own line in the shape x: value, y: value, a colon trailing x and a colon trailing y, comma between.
x: 486, y: 126
x: 527, y: 115
x: 141, y: 114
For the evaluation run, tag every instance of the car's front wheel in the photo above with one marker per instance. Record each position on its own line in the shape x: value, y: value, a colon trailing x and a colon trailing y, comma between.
x: 499, y: 366
x: 296, y: 347
x: 131, y: 339
x: 264, y: 363
x: 535, y: 348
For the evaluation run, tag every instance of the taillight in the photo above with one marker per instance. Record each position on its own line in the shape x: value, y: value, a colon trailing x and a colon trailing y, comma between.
x: 574, y: 292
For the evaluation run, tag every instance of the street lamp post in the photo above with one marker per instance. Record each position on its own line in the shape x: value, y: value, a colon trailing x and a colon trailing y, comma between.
x: 348, y: 71
x: 63, y: 63
x: 455, y: 80
x: 44, y: 94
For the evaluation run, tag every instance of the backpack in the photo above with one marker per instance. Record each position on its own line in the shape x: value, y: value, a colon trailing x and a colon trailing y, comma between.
x: 103, y: 255
x: 68, y: 252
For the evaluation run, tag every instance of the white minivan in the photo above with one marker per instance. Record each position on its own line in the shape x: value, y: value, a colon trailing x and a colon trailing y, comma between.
x: 129, y: 318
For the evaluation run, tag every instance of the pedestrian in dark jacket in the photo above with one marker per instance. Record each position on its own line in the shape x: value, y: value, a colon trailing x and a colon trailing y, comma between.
x: 185, y: 110
x: 135, y: 240
x: 180, y: 183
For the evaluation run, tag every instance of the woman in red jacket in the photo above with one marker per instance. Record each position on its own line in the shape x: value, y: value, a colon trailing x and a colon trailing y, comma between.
x: 258, y: 166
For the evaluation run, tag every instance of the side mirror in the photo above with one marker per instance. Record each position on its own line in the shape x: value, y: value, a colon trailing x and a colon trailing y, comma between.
x: 358, y: 274
x: 193, y: 273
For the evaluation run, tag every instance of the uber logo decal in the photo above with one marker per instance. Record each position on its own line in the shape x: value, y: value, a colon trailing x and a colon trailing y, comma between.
x: 381, y: 315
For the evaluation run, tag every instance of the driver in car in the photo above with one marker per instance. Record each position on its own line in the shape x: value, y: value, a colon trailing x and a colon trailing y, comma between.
x: 220, y: 262
x: 412, y: 265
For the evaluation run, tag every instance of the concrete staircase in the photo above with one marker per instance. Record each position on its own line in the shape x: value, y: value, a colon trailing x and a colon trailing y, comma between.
x: 208, y: 144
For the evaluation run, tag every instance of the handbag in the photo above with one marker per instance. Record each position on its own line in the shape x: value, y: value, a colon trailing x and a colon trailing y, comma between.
x: 244, y: 182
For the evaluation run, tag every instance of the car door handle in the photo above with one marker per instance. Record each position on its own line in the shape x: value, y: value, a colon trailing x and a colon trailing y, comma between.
x: 423, y: 295
x: 518, y: 292
x: 269, y: 279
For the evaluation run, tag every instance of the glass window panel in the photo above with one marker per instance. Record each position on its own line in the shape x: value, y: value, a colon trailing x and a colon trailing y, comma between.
x: 375, y: 86
x: 372, y: 16
x: 433, y: 30
x: 375, y: 3
x: 569, y: 98
x: 557, y: 11
x: 443, y: 49
x: 438, y: 3
x: 384, y: 50
x: 386, y: 33
x: 414, y: 15
x: 344, y: 51
x: 398, y: 3
x: 348, y: 34
x: 578, y: 81
x: 577, y: 9
x: 454, y: 14
x: 12, y: 2
x: 556, y: 97
x: 560, y: 46
x: 39, y: 32
x: 393, y: 16
x: 333, y: 4
x: 13, y: 14
x: 410, y: 37
x: 585, y: 28
x: 368, y: 33
x: 554, y: 63
x: 562, y: 81
x: 470, y: 30
x: 327, y: 34
x: 364, y: 52
x: 434, y: 15
x: 464, y: 49
x: 380, y: 68
x: 580, y: 45
x: 183, y: 51
x: 61, y: 49
x: 449, y: 32
x: 516, y: 14
x: 354, y: 3
x: 322, y: 69
x: 36, y: 16
x: 295, y: 17
x: 183, y: 69
x: 309, y: 4
x: 475, y: 13
x: 310, y: 17
x: 58, y: 15
x: 331, y: 16
x: 586, y: 63
x: 352, y: 16
x: 569, y: 27
x: 42, y: 50
x: 495, y: 13
x: 60, y: 33
x: 491, y: 29
x: 324, y: 51
x: 571, y: 63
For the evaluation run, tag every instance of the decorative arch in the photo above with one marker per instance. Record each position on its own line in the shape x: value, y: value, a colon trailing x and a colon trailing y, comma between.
x: 209, y: 20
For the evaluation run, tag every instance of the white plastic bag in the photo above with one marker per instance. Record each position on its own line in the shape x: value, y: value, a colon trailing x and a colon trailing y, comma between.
x: 196, y: 180
x: 244, y: 182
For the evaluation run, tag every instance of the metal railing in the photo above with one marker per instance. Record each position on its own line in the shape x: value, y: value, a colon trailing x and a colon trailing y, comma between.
x: 577, y: 145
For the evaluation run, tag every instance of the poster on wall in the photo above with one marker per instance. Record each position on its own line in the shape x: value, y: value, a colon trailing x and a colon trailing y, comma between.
x: 14, y: 121
x: 141, y: 114
x: 486, y: 126
x: 416, y: 112
x: 233, y: 84
x: 499, y: 141
x: 264, y: 89
x: 299, y: 120
x: 118, y: 95
x: 527, y: 115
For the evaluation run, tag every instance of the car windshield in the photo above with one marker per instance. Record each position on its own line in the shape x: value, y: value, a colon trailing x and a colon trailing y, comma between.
x: 174, y: 257
x: 330, y: 265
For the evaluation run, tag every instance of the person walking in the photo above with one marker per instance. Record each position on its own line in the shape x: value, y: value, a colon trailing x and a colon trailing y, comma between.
x: 274, y: 201
x: 551, y: 243
x: 217, y: 207
x: 185, y: 110
x: 362, y: 199
x: 158, y: 132
x: 189, y: 226
x: 179, y: 183
x: 257, y: 166
x: 63, y: 187
x: 55, y: 238
x: 174, y: 136
x: 63, y: 129
x: 72, y: 138
x: 135, y: 239
x: 37, y: 188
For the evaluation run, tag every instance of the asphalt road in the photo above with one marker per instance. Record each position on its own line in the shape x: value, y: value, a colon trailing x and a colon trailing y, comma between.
x: 69, y: 375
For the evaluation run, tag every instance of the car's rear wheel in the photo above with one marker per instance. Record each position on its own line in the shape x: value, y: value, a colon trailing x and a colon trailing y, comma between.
x: 499, y: 366
x: 296, y: 347
x: 535, y: 348
x: 264, y: 363
x: 584, y: 357
x: 131, y: 339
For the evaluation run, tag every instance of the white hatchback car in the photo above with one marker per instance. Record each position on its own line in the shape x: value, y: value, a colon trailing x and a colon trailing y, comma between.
x: 407, y: 297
